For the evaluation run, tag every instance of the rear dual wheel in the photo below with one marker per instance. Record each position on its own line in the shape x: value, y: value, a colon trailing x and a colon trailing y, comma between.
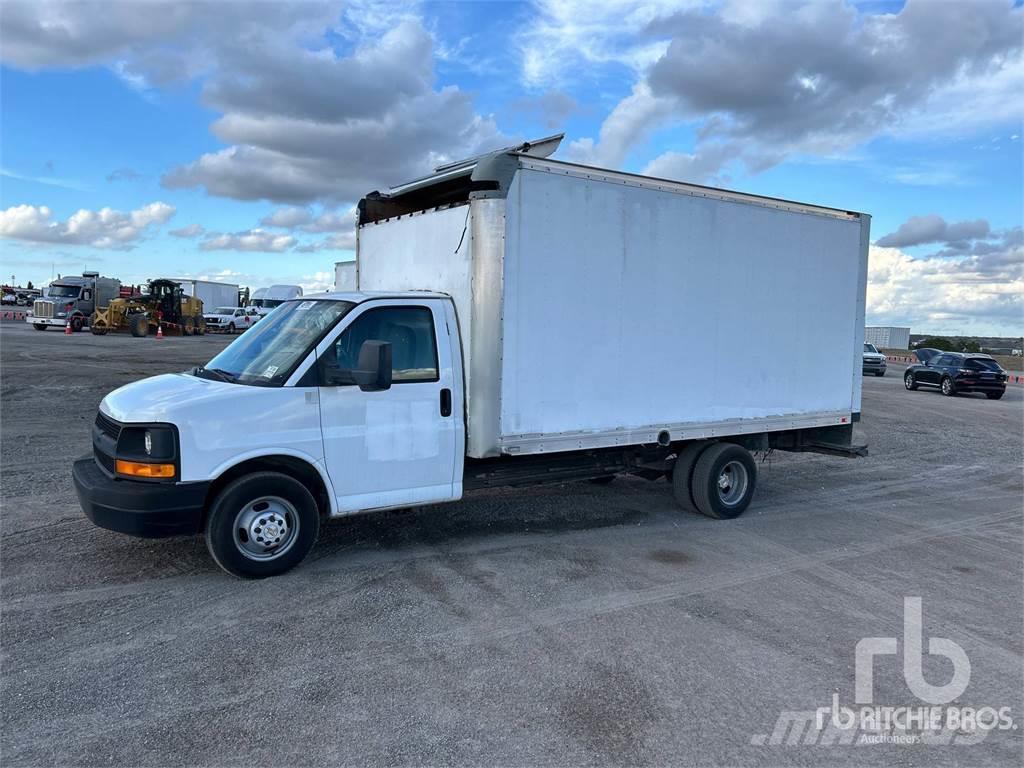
x: 717, y: 479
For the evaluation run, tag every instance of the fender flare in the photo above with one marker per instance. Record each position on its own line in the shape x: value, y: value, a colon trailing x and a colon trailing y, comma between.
x: 267, y: 453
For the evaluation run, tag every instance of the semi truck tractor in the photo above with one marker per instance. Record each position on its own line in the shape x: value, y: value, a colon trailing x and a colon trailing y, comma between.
x: 72, y: 301
x: 517, y: 320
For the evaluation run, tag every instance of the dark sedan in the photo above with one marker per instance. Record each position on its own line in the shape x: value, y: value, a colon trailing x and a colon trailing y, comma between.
x: 954, y: 372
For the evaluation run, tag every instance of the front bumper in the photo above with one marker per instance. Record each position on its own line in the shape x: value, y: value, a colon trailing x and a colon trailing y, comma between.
x: 57, y: 322
x: 146, y: 509
x: 873, y: 366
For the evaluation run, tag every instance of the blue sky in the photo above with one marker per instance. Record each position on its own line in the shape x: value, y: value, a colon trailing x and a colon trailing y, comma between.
x: 232, y: 139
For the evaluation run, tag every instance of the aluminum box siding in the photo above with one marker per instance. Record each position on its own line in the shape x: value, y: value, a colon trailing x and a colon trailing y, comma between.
x: 627, y: 307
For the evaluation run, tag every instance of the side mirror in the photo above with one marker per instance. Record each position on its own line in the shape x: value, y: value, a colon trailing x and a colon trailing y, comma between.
x: 373, y: 371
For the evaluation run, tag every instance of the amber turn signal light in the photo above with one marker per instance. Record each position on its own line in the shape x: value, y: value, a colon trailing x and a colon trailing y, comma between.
x: 138, y: 469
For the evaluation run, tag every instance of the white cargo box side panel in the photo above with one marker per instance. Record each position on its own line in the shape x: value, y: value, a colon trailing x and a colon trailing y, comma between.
x: 627, y: 308
x: 421, y: 252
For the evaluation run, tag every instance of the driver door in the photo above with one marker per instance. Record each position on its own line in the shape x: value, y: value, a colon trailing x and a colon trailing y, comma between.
x: 398, y: 446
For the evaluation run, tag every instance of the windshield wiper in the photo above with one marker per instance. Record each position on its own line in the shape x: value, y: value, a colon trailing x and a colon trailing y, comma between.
x: 216, y: 372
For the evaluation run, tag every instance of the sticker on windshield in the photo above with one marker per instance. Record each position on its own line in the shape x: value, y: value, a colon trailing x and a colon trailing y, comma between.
x: 269, y: 371
x: 305, y: 305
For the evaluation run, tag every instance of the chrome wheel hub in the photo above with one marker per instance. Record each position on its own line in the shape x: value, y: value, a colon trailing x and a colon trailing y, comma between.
x: 732, y: 483
x: 266, y: 528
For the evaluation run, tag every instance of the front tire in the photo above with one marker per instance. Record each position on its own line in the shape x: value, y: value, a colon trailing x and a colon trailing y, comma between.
x: 724, y: 480
x: 910, y: 382
x: 994, y: 395
x: 231, y: 329
x: 948, y: 387
x: 138, y: 325
x: 261, y: 525
x: 879, y: 373
x: 77, y: 323
x: 40, y: 326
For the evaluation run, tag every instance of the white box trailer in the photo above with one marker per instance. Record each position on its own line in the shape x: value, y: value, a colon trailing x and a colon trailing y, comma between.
x: 213, y: 294
x: 604, y: 309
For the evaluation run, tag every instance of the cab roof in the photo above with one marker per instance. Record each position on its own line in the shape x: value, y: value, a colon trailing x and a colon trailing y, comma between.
x: 361, y: 296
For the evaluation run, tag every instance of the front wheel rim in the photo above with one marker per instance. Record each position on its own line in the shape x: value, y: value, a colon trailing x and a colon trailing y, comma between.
x: 908, y: 381
x: 732, y: 483
x: 266, y: 528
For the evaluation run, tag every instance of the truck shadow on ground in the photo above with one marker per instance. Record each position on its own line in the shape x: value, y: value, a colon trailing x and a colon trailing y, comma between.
x: 545, y: 510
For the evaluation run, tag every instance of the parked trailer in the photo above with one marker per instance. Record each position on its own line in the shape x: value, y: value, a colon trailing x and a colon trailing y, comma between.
x: 210, y: 292
x: 519, y: 320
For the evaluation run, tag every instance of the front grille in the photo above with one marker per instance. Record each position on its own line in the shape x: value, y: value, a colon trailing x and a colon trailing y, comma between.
x: 106, y: 462
x: 107, y: 425
x: 42, y: 308
x: 104, y: 442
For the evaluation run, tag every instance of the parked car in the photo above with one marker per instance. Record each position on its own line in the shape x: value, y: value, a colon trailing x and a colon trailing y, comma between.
x: 874, y: 361
x: 230, y: 319
x: 955, y: 372
x: 924, y: 354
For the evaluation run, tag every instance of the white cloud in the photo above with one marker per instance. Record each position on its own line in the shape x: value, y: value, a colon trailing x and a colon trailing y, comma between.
x: 105, y: 228
x: 192, y: 230
x: 819, y: 79
x: 345, y: 241
x: 973, y: 294
x: 304, y: 220
x: 568, y: 38
x: 257, y: 240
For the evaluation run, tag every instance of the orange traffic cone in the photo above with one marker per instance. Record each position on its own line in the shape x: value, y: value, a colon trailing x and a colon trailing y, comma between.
x: 67, y: 329
x: 160, y: 331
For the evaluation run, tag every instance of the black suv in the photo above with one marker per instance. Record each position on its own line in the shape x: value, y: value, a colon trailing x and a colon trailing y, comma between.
x: 954, y: 372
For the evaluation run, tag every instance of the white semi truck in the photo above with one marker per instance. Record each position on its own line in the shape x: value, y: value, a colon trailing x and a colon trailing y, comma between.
x: 518, y: 320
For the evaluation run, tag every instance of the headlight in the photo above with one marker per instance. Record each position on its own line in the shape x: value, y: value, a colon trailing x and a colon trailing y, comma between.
x: 154, y: 446
x: 62, y: 314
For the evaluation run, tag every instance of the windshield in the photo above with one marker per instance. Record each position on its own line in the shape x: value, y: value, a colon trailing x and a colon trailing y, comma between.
x: 271, y: 303
x: 270, y: 351
x: 870, y: 348
x: 65, y: 291
x: 224, y: 311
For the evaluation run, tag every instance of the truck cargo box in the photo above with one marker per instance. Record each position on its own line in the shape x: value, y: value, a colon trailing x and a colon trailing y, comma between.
x: 600, y: 308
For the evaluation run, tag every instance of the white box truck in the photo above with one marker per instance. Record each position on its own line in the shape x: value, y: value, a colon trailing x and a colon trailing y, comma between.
x: 518, y: 320
x: 213, y: 294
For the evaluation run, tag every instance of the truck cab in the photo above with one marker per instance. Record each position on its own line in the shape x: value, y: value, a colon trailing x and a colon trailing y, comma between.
x: 361, y: 408
x: 72, y: 301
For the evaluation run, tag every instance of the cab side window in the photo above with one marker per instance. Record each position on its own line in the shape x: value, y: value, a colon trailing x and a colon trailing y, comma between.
x: 410, y: 330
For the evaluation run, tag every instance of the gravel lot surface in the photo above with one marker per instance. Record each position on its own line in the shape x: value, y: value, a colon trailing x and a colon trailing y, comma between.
x: 573, y: 624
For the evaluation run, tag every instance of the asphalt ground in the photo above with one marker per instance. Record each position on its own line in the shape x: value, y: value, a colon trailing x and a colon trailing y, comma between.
x: 564, y: 625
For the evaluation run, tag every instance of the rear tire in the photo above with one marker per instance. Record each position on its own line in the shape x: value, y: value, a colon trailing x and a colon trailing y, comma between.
x: 138, y: 325
x: 724, y: 481
x: 682, y: 475
x: 910, y: 382
x: 994, y: 395
x: 250, y: 506
x: 948, y: 387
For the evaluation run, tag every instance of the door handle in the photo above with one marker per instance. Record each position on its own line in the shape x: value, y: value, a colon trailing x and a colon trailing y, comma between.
x: 446, y: 402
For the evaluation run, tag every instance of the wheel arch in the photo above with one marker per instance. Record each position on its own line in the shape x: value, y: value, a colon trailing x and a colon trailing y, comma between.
x: 303, y: 470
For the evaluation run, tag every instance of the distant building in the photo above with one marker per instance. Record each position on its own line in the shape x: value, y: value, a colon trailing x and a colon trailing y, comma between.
x: 887, y: 336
